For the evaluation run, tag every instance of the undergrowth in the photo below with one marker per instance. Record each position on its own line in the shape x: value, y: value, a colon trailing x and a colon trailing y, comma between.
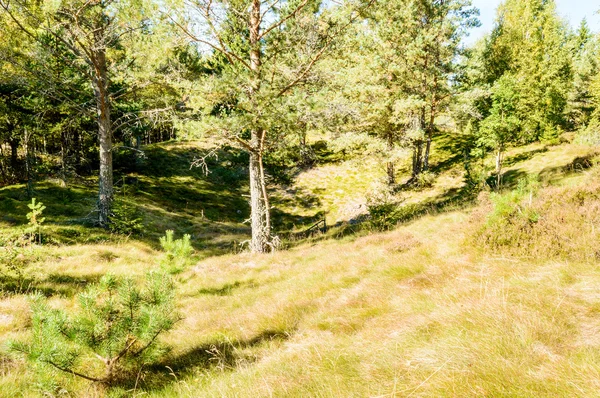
x: 555, y: 222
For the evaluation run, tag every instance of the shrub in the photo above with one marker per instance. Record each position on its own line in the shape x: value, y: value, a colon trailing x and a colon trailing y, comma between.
x: 15, y: 256
x: 35, y: 220
x: 177, y: 252
x: 112, y: 334
x: 125, y: 219
x: 382, y: 205
x: 425, y: 179
x: 386, y: 210
x: 555, y: 222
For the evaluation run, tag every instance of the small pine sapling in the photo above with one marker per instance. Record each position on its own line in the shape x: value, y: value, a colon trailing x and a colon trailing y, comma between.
x: 35, y: 220
x: 177, y: 252
x: 112, y: 334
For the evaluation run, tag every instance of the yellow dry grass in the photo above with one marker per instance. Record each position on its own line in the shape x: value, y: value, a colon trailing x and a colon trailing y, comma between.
x: 414, y: 312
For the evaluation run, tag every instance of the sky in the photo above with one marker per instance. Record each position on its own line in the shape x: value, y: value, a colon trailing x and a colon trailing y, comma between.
x: 572, y: 10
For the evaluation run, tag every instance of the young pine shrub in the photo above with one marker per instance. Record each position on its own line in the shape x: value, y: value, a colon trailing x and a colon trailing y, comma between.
x: 110, y: 336
x: 125, y: 219
x: 177, y: 252
x: 34, y: 230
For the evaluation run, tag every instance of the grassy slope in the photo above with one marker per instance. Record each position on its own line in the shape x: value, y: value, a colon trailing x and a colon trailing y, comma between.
x: 413, y: 312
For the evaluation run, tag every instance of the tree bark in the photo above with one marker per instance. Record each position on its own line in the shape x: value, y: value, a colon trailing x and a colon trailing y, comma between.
x: 259, y: 202
x: 499, y: 168
x: 14, y: 154
x: 105, y: 180
x: 391, y: 175
x: 417, y: 158
x: 428, y: 144
x: 258, y: 208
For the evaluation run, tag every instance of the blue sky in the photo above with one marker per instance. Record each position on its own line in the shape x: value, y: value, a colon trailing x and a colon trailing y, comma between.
x: 572, y: 10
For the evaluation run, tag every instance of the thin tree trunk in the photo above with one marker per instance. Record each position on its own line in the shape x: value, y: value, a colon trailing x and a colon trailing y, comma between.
x: 428, y: 145
x: 28, y: 176
x: 499, y: 168
x: 63, y: 157
x: 259, y: 210
x: 77, y: 148
x: 391, y: 175
x: 417, y: 158
x: 105, y: 180
x: 14, y: 154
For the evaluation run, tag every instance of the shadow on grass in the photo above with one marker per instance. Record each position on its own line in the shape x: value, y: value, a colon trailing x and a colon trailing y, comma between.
x: 521, y: 157
x: 452, y: 199
x: 52, y: 286
x: 579, y: 164
x: 220, y: 355
x: 227, y: 289
x: 455, y: 145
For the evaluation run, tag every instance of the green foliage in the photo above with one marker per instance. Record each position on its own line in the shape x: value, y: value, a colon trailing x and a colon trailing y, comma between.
x: 177, y: 252
x: 125, y: 219
x: 515, y: 204
x: 15, y: 256
x: 382, y: 206
x: 425, y: 179
x: 35, y: 220
x: 502, y: 125
x: 112, y: 334
x: 386, y: 210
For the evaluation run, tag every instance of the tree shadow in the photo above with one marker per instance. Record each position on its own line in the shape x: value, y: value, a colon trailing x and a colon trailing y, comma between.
x: 227, y: 289
x: 578, y: 165
x: 54, y: 285
x: 456, y: 145
x: 523, y: 156
x: 223, y: 355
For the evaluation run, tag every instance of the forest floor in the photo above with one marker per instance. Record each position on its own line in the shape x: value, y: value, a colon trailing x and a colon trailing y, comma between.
x: 422, y: 310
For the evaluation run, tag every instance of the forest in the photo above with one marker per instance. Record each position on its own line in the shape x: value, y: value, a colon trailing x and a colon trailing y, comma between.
x: 298, y: 198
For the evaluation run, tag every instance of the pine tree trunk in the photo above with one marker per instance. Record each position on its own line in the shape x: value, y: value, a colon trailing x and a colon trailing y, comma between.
x: 428, y: 146
x: 391, y: 175
x: 499, y: 168
x: 105, y: 180
x: 14, y: 154
x: 417, y: 158
x: 258, y: 209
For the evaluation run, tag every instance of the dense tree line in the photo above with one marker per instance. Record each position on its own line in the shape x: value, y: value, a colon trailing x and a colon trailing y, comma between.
x: 81, y: 79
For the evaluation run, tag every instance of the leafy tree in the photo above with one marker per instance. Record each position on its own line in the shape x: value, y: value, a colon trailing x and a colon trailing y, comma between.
x: 410, y: 50
x: 502, y: 127
x: 100, y: 41
x: 531, y: 42
x: 586, y: 66
x: 259, y: 51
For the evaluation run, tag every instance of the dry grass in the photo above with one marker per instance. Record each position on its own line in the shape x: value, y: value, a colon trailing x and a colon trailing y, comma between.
x: 417, y: 311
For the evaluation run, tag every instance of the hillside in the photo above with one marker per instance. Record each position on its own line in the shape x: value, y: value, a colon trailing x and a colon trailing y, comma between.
x: 435, y: 307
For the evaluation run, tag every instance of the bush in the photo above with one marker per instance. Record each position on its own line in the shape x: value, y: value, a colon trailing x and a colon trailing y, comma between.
x: 112, y: 334
x: 125, y: 219
x: 425, y: 179
x: 35, y: 221
x: 555, y: 222
x: 177, y: 252
x: 386, y: 210
x: 382, y: 205
x: 15, y: 256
